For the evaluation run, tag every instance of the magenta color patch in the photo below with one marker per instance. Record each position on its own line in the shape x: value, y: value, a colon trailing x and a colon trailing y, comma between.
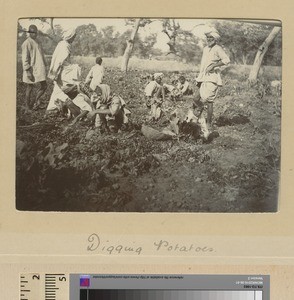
x: 85, y: 281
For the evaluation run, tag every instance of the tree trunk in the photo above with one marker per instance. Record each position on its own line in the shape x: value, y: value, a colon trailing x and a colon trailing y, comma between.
x: 244, y: 59
x: 261, y: 52
x: 52, y: 25
x: 130, y: 46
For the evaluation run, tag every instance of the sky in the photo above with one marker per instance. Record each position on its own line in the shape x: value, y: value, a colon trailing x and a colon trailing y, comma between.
x: 197, y: 26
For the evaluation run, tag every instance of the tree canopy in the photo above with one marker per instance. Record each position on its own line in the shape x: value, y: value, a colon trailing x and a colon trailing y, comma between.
x: 241, y: 40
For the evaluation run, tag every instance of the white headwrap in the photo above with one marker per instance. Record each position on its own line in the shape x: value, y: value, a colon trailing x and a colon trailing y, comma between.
x: 157, y: 75
x: 68, y: 34
x: 214, y: 33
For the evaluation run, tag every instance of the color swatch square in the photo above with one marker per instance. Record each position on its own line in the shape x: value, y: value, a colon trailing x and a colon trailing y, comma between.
x: 85, y: 280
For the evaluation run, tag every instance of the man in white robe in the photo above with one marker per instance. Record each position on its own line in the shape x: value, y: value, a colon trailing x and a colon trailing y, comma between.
x: 61, y: 71
x: 209, y: 78
x: 34, y: 67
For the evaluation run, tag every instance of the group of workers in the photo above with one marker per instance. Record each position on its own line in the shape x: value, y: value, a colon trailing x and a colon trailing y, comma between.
x: 94, y: 98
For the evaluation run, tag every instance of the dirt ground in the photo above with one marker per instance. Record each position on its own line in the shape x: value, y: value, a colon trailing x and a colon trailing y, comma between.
x: 61, y: 168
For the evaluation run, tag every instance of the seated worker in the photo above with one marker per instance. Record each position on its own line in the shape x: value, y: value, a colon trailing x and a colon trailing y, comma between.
x: 176, y: 92
x: 155, y: 95
x: 173, y: 92
x: 184, y: 86
x: 96, y: 74
x: 110, y: 110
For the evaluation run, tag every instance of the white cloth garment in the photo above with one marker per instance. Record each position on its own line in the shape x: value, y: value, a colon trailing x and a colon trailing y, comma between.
x: 95, y: 76
x: 69, y: 75
x: 80, y: 101
x: 33, y: 59
x: 151, y: 88
x: 68, y: 34
x: 210, y: 56
x: 60, y: 59
x: 62, y: 72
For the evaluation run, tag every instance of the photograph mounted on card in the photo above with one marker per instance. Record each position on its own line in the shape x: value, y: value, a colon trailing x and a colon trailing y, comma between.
x: 148, y: 115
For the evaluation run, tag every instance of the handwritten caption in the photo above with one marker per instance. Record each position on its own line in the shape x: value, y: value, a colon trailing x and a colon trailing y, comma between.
x: 96, y: 244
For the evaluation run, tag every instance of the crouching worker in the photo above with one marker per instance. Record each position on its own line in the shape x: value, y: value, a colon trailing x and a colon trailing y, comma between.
x: 195, y: 116
x: 76, y: 106
x: 110, y: 110
x: 154, y: 95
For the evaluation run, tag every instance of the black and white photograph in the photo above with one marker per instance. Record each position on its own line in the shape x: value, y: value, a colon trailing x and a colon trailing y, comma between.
x: 148, y: 115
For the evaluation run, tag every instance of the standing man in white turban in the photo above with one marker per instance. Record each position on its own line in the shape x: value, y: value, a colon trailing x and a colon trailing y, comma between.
x: 34, y: 67
x: 61, y: 71
x: 209, y: 78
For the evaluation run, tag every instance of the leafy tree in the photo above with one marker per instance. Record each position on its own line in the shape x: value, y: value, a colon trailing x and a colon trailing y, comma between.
x: 109, y: 41
x: 146, y: 46
x: 87, y: 41
x: 188, y: 48
x: 274, y: 53
x: 172, y: 30
x: 182, y: 43
x: 21, y: 36
x: 261, y: 53
x: 243, y: 39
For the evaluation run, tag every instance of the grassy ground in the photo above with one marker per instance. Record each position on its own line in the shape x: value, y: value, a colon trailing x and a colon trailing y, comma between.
x: 60, y: 169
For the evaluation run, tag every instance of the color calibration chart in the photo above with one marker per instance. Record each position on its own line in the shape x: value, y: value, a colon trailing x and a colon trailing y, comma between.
x: 169, y: 287
x: 61, y: 286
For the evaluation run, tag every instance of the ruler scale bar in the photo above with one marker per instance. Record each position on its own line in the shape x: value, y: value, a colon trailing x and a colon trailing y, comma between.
x: 49, y: 284
x: 42, y: 286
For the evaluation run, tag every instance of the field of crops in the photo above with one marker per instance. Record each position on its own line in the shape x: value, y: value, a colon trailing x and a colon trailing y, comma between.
x: 62, y: 168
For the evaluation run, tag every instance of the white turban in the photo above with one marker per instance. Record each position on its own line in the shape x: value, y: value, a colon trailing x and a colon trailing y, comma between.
x: 214, y: 33
x: 157, y: 75
x: 68, y: 34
